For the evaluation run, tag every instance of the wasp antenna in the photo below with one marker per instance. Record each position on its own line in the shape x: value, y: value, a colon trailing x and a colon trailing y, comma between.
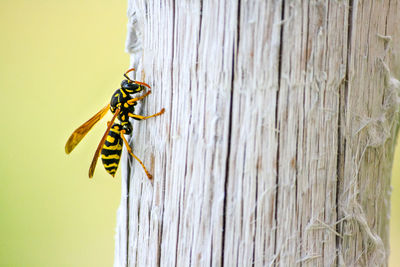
x: 126, y: 73
x: 142, y: 83
x: 132, y: 69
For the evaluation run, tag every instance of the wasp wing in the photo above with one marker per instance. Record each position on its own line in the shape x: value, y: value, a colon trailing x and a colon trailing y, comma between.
x: 100, y: 146
x: 79, y: 133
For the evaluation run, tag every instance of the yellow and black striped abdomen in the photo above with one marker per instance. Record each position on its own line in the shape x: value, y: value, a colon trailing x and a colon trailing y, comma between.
x: 111, y: 152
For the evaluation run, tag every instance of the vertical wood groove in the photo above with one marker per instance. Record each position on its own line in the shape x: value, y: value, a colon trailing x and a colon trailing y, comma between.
x: 227, y: 160
x: 127, y: 212
x: 162, y: 219
x: 235, y: 48
x: 341, y: 157
x: 277, y: 127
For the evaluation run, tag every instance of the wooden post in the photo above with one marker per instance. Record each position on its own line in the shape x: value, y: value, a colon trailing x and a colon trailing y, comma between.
x: 277, y: 142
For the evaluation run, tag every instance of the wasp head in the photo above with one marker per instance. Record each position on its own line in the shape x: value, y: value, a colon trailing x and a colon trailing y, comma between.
x: 131, y: 87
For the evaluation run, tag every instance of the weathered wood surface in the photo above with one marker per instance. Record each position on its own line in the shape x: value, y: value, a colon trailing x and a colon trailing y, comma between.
x: 277, y: 142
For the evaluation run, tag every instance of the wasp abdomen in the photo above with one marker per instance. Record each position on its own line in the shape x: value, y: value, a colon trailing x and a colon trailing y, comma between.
x: 112, y: 148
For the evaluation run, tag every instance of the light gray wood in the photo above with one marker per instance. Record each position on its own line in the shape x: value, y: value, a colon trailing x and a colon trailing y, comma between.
x: 276, y: 146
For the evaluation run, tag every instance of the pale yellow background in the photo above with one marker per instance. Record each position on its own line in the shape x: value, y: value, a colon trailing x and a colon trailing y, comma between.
x: 60, y: 61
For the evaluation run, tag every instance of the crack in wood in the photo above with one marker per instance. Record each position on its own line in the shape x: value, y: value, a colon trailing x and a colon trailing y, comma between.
x: 227, y: 160
x: 341, y: 124
x: 128, y: 178
x: 278, y: 127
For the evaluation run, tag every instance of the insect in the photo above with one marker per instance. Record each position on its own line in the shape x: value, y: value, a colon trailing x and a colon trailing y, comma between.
x: 122, y: 105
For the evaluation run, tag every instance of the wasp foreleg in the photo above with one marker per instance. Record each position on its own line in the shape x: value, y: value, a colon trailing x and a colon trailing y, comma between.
x: 133, y: 100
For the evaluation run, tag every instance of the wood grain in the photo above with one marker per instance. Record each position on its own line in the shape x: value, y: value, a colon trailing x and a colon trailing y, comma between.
x: 277, y: 142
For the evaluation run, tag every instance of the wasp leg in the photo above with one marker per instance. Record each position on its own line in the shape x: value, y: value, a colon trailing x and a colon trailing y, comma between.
x: 133, y: 100
x: 140, y: 117
x: 133, y: 155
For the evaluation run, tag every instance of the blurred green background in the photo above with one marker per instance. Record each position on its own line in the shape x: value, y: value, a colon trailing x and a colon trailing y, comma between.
x: 60, y: 62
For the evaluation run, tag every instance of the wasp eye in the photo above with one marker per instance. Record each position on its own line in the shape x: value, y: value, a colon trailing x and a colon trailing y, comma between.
x: 125, y: 83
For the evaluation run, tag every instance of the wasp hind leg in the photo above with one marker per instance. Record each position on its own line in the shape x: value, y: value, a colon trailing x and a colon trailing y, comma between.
x: 133, y: 155
x: 140, y: 117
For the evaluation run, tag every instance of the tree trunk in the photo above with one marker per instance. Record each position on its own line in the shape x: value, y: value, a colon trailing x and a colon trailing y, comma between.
x: 277, y: 143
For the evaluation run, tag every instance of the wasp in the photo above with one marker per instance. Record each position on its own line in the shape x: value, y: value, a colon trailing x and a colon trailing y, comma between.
x: 122, y: 105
